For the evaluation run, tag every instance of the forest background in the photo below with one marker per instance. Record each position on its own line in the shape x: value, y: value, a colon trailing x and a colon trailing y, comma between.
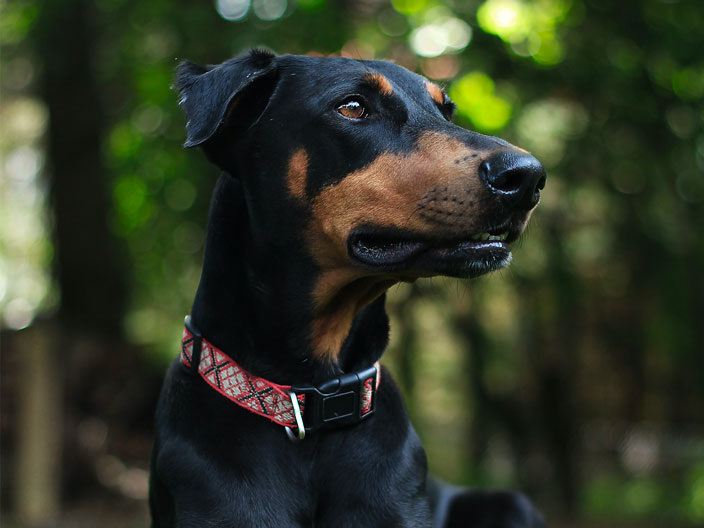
x: 576, y: 375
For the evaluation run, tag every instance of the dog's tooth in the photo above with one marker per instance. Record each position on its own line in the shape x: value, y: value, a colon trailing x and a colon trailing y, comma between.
x: 485, y: 236
x: 476, y: 237
x: 503, y: 236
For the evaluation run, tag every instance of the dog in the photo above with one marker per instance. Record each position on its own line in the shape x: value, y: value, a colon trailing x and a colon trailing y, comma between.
x: 340, y: 178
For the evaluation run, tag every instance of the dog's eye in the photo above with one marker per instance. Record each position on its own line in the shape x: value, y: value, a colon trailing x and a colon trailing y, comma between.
x: 352, y: 109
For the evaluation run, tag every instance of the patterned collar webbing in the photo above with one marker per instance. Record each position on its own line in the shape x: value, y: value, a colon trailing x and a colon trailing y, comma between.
x: 253, y: 393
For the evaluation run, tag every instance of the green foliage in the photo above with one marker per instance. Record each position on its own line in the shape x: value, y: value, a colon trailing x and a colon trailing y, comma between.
x: 474, y: 95
x: 617, y: 498
x: 17, y: 20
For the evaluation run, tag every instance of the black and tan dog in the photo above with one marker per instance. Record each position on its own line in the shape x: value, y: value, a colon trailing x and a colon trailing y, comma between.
x: 341, y: 178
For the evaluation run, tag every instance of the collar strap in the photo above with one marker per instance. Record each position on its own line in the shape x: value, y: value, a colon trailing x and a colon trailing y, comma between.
x: 341, y: 401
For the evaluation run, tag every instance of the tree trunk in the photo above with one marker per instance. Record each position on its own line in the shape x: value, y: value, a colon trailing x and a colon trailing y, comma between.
x: 88, y: 266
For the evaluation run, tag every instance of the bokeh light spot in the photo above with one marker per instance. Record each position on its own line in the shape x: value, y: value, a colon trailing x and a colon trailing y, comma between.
x: 180, y: 194
x: 232, y: 10
x: 18, y: 314
x: 148, y: 119
x: 546, y: 125
x: 476, y: 100
x: 549, y: 51
x: 188, y: 237
x: 428, y: 41
x: 23, y: 164
x: 506, y: 18
x: 443, y: 67
x: 529, y: 28
x: 688, y: 83
x: 409, y: 7
x: 458, y: 33
x: 132, y: 204
x: 442, y: 35
x: 392, y: 23
x: 269, y: 9
x: 124, y: 141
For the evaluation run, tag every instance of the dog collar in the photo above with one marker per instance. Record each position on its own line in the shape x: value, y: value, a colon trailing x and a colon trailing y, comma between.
x: 301, y: 408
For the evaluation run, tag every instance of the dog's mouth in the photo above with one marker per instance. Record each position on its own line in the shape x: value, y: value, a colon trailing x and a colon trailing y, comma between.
x: 390, y: 250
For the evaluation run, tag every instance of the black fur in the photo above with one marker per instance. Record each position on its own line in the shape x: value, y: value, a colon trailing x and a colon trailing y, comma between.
x: 216, y: 464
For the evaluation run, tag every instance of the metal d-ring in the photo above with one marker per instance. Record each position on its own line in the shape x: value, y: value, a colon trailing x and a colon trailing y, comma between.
x: 299, y: 421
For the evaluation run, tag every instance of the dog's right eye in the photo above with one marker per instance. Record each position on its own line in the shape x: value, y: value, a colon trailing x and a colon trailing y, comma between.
x: 353, y: 109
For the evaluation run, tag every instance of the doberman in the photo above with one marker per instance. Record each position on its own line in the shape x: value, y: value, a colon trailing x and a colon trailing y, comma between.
x: 340, y: 178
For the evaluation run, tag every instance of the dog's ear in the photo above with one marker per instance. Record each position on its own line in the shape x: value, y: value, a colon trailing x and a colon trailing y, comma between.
x: 230, y: 95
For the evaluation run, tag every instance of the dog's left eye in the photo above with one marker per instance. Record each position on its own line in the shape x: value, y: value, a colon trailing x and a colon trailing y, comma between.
x: 353, y: 109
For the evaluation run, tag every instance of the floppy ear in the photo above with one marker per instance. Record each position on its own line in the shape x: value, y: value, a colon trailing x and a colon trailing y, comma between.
x: 213, y: 97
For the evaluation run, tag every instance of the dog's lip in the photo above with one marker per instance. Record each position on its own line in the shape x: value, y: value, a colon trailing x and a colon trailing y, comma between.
x: 389, y: 250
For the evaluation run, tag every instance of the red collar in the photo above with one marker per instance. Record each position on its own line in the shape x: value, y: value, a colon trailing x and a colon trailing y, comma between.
x: 341, y: 401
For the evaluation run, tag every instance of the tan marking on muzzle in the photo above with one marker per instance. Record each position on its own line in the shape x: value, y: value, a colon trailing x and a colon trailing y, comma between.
x: 389, y: 192
x: 298, y: 173
x: 380, y: 82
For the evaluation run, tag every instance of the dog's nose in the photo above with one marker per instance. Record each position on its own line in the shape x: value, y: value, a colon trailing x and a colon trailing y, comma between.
x: 516, y: 178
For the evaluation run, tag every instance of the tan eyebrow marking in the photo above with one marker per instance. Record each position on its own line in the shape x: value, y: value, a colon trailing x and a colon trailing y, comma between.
x: 435, y: 92
x: 380, y: 82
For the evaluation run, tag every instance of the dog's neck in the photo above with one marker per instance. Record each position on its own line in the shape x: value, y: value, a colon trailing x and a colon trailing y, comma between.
x: 257, y: 308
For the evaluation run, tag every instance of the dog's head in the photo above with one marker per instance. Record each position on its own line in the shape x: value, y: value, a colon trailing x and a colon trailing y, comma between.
x: 358, y: 165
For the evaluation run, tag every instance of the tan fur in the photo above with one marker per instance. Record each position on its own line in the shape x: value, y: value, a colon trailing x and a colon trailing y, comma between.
x: 433, y: 190
x: 297, y: 173
x: 337, y: 306
x: 435, y: 92
x: 380, y: 82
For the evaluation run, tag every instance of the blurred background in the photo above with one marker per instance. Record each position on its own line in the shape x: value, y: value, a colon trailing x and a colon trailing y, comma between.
x: 576, y: 375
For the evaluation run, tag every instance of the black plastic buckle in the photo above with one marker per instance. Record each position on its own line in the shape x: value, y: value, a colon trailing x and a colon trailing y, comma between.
x: 337, y: 402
